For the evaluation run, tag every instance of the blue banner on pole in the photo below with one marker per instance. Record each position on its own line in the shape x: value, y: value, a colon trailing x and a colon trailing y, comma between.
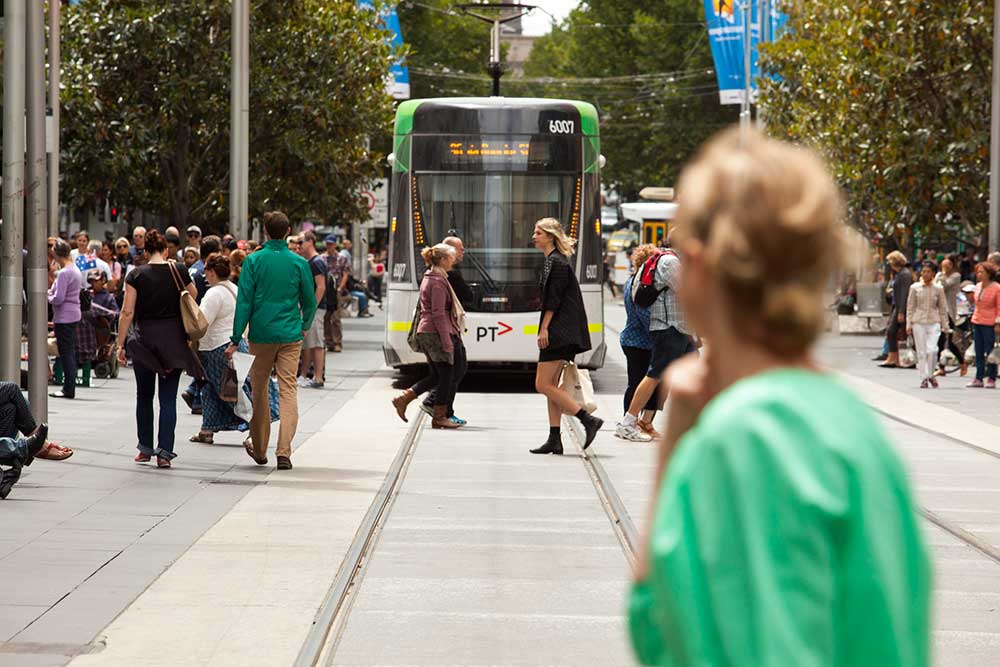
x: 727, y: 32
x: 398, y: 84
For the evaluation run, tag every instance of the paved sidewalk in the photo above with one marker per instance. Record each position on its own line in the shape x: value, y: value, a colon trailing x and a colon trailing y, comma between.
x: 83, y: 537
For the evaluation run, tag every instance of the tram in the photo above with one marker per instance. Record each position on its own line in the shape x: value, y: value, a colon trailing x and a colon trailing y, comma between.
x: 485, y: 170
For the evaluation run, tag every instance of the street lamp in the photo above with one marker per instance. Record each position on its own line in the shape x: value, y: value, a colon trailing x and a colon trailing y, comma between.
x: 515, y: 10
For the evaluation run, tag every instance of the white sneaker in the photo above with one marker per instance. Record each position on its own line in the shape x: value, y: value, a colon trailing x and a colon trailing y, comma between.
x: 630, y: 432
x: 302, y: 382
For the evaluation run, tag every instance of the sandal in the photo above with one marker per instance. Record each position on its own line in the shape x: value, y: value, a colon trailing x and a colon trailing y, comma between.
x: 248, y: 446
x: 53, y: 451
x: 207, y: 438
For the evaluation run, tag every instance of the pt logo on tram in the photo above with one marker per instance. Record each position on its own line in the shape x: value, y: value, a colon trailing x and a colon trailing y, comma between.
x: 494, y: 331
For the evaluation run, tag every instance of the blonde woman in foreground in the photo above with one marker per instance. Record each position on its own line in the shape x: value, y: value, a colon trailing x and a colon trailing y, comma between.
x: 783, y: 531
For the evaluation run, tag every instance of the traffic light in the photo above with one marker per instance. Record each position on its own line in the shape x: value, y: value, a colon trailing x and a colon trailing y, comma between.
x: 114, y: 213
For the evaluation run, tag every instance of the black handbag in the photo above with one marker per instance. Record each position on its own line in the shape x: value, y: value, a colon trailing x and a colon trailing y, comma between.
x: 229, y: 385
x: 411, y: 338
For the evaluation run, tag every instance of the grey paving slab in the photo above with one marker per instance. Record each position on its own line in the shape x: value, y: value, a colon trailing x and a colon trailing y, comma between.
x: 92, y: 532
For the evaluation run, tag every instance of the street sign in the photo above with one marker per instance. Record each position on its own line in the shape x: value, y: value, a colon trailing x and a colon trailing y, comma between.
x: 377, y: 200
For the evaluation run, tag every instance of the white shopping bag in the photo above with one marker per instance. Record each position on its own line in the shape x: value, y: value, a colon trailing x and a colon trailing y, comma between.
x: 578, y: 385
x: 242, y: 363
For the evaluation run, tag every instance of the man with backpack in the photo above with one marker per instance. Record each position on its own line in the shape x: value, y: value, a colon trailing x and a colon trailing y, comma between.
x: 656, y: 286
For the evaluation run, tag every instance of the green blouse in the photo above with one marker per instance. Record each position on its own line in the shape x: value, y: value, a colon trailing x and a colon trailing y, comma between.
x: 784, y: 536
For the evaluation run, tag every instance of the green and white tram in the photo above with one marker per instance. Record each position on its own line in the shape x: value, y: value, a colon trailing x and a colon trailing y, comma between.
x: 486, y: 169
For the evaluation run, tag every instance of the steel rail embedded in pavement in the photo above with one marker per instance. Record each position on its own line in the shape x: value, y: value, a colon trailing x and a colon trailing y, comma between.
x: 324, y: 633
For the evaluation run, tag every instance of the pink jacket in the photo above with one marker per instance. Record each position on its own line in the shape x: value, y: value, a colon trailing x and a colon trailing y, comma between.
x: 436, y: 309
x: 987, y: 300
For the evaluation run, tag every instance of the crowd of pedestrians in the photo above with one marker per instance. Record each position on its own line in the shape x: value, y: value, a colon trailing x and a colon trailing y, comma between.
x: 120, y: 301
x: 949, y: 316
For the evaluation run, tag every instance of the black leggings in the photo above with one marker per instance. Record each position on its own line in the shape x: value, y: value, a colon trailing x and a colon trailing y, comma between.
x: 892, y: 333
x: 458, y: 372
x: 441, y: 380
x: 637, y: 360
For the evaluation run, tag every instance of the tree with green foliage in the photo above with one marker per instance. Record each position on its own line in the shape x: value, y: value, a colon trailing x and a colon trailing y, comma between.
x: 648, y: 68
x: 897, y: 96
x: 146, y: 110
x: 440, y: 40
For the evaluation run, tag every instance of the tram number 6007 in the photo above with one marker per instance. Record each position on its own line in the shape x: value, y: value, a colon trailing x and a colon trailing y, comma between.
x: 561, y: 126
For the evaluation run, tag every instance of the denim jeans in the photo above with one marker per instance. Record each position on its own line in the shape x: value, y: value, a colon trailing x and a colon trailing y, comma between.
x: 66, y: 344
x: 13, y: 450
x: 145, y: 389
x: 983, y: 338
x: 362, y: 301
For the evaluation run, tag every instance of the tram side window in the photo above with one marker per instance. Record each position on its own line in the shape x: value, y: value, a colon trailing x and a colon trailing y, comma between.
x: 400, y: 232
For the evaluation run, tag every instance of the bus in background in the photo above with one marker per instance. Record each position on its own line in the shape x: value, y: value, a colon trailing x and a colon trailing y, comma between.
x: 485, y: 170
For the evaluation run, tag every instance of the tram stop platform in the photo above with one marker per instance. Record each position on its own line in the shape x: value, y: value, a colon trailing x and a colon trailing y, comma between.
x: 479, y: 553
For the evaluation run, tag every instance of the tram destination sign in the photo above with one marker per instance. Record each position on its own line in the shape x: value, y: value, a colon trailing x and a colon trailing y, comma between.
x: 496, y: 153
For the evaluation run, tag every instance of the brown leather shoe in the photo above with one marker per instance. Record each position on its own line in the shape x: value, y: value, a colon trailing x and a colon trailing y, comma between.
x: 401, y: 401
x: 440, y: 419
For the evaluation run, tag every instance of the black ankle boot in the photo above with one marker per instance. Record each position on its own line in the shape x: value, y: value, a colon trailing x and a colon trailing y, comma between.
x: 552, y: 446
x: 591, y: 425
x: 36, y: 441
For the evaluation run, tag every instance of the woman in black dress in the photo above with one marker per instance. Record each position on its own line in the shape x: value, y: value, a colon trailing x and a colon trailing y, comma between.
x: 562, y: 333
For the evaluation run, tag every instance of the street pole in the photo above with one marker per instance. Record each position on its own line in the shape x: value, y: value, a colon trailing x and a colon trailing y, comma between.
x: 55, y: 63
x: 748, y: 33
x: 994, y: 230
x: 12, y: 242
x: 35, y: 226
x: 495, y: 63
x: 239, y: 137
x: 765, y: 38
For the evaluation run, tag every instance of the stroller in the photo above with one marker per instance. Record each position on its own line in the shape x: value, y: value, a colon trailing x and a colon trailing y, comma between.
x: 105, y: 324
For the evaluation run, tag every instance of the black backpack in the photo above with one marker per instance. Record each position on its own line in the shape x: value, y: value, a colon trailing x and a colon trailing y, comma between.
x: 644, y: 292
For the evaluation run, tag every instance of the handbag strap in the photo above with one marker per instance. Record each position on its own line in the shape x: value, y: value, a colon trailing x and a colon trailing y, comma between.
x: 176, y: 276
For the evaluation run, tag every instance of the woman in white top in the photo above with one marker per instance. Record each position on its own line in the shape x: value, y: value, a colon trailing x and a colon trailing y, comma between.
x: 219, y: 307
x: 926, y: 320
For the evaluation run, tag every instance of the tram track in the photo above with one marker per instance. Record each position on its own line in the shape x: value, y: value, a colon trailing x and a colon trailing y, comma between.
x: 320, y: 645
x: 970, y: 539
x: 611, y: 501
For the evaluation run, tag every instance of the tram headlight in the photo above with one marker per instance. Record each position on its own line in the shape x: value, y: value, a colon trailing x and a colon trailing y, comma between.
x: 601, y: 161
x: 391, y: 159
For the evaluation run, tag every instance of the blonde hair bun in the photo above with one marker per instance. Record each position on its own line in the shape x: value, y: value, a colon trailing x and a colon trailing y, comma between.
x: 770, y: 219
x: 433, y: 255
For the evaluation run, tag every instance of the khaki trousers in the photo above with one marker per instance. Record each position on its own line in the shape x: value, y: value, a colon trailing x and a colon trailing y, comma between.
x: 333, y: 332
x: 284, y: 359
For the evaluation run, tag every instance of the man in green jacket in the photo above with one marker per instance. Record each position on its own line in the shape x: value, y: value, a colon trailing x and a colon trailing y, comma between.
x: 277, y: 300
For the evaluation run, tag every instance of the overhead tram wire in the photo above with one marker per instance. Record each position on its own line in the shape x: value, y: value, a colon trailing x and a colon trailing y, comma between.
x: 594, y: 81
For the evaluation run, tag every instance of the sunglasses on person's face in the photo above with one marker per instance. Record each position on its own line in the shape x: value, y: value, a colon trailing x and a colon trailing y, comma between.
x: 193, y: 235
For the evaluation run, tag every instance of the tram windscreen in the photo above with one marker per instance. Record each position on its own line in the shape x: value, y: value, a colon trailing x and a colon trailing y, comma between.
x: 494, y: 214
